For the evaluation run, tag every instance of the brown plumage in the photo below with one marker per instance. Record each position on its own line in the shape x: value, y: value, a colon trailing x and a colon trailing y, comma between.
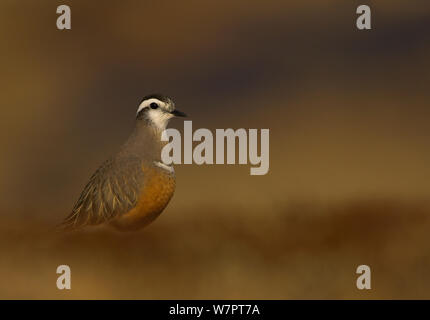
x: 132, y: 188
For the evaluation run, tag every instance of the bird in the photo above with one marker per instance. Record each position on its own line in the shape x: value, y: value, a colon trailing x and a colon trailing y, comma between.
x: 131, y: 188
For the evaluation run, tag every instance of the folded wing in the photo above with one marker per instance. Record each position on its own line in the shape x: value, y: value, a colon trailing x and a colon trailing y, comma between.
x: 113, y: 190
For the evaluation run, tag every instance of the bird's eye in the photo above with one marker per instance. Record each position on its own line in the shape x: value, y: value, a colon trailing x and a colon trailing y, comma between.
x: 153, y: 105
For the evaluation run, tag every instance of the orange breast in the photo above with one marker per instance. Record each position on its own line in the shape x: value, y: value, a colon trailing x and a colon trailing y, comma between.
x: 158, y: 189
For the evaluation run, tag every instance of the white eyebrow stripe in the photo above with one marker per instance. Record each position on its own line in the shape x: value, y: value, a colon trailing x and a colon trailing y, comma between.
x: 164, y: 166
x: 147, y: 102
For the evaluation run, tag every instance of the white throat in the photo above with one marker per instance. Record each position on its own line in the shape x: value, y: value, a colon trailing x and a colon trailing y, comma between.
x: 160, y: 116
x: 159, y: 119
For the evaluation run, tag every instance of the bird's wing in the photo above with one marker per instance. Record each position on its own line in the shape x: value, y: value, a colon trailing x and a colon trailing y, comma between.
x: 113, y: 190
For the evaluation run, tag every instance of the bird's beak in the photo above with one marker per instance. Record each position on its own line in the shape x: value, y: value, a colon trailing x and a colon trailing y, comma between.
x: 178, y: 113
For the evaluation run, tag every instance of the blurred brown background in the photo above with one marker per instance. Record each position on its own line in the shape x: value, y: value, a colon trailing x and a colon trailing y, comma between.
x: 349, y: 171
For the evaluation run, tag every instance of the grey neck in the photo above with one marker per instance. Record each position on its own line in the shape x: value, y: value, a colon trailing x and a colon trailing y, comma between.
x: 144, y: 142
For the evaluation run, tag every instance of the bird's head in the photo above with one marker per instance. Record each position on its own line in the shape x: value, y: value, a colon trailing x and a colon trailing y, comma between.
x: 157, y: 110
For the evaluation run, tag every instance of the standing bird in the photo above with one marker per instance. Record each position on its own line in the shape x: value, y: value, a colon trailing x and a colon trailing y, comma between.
x: 132, y: 188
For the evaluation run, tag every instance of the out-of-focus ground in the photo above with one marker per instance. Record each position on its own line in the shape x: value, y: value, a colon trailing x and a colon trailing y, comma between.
x: 301, y: 251
x: 349, y: 178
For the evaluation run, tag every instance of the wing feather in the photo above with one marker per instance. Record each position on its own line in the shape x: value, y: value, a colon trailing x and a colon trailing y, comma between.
x: 111, y: 191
